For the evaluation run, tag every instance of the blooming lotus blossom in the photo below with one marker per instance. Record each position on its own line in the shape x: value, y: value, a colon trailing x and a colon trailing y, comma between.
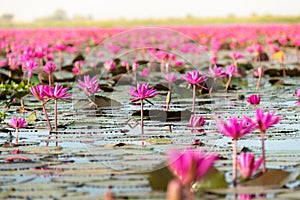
x: 231, y: 70
x: 196, y: 121
x: 172, y: 78
x: 236, y: 55
x: 50, y: 67
x: 30, y: 65
x: 109, y: 65
x: 191, y: 165
x: 90, y: 86
x: 254, y: 99
x: 145, y: 72
x: 216, y: 72
x: 235, y: 128
x: 142, y: 92
x: 194, y: 78
x: 178, y: 63
x: 59, y: 93
x: 17, y: 123
x: 297, y: 93
x: 42, y: 93
x: 214, y: 60
x: 247, y: 165
x: 264, y: 121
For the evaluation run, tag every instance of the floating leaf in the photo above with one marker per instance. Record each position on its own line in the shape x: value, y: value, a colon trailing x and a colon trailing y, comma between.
x: 31, y: 118
x: 271, y: 178
x: 213, y: 179
x: 160, y: 178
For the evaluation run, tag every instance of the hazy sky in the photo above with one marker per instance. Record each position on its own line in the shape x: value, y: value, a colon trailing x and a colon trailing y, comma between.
x: 27, y: 10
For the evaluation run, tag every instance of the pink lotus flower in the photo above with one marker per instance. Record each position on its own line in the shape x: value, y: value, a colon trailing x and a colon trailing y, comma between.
x: 231, y: 70
x: 178, y: 63
x: 50, y: 67
x: 3, y: 63
x: 172, y: 78
x: 145, y: 72
x: 59, y: 93
x: 196, y: 121
x: 30, y: 65
x: 214, y: 60
x: 216, y: 72
x: 191, y: 165
x: 194, y: 78
x: 90, y: 86
x: 247, y: 165
x: 17, y: 123
x: 41, y: 92
x: 124, y: 63
x: 236, y: 55
x: 235, y: 129
x: 109, y: 65
x: 266, y: 120
x: 142, y: 92
x: 254, y: 99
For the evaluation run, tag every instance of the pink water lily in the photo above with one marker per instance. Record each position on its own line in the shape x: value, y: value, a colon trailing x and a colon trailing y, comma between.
x: 42, y: 93
x: 297, y: 93
x: 236, y: 55
x: 191, y: 165
x: 30, y: 65
x: 264, y: 121
x: 89, y: 86
x: 172, y: 78
x: 17, y: 123
x: 236, y: 129
x: 230, y: 71
x: 49, y: 68
x: 196, y: 121
x: 254, y: 99
x: 194, y: 79
x: 58, y: 93
x: 142, y: 92
x: 247, y: 165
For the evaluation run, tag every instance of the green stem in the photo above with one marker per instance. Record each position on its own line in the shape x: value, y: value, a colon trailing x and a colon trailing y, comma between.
x: 17, y: 136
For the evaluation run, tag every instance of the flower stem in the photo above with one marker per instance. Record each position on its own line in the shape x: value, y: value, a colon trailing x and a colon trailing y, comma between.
x: 17, y: 136
x: 55, y: 114
x: 142, y: 121
x: 46, y: 116
x: 212, y: 86
x: 194, y: 98
x: 50, y: 79
x: 262, y: 134
x: 228, y: 84
x: 258, y: 82
x: 234, y: 163
x: 142, y: 117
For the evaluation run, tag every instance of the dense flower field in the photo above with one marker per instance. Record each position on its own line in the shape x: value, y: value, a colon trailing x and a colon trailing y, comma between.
x: 165, y: 112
